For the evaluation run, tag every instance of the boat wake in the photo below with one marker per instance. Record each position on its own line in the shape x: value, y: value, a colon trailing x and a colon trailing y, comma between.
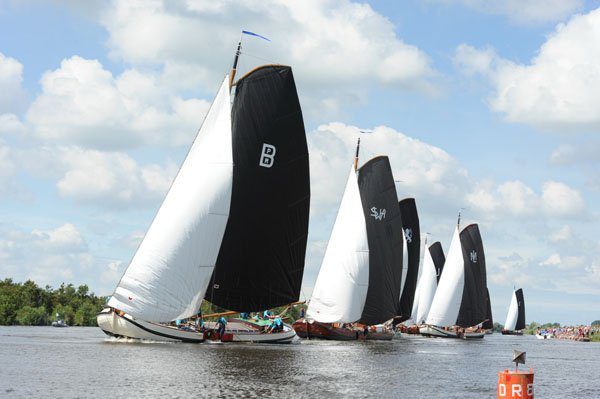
x: 126, y: 340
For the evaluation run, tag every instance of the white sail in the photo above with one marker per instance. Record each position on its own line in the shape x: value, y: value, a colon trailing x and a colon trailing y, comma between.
x: 428, y: 285
x: 448, y: 296
x: 169, y: 273
x: 415, y: 308
x: 341, y: 288
x: 513, y: 313
x: 404, y: 263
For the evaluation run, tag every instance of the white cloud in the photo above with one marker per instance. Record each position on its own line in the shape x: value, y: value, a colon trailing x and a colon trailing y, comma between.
x: 46, y: 256
x: 509, y: 270
x: 425, y: 171
x: 559, y: 89
x: 65, y: 238
x: 563, y: 234
x: 524, y: 11
x: 560, y: 200
x: 11, y: 76
x: 10, y: 124
x: 83, y: 103
x: 571, y: 154
x: 111, y: 179
x: 337, y: 47
x: 564, y: 262
x: 552, y: 260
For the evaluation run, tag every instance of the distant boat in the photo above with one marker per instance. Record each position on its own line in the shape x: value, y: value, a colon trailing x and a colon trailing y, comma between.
x: 233, y: 227
x: 360, y: 276
x: 515, y: 319
x: 459, y: 304
x: 59, y: 322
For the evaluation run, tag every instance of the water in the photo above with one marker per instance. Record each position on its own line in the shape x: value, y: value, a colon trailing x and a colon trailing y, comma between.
x: 83, y: 362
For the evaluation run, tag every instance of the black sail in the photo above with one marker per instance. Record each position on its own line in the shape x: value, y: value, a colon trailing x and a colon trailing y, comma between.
x: 384, y: 235
x: 488, y: 324
x: 410, y: 225
x: 437, y: 255
x: 473, y: 307
x: 521, y: 306
x: 261, y: 259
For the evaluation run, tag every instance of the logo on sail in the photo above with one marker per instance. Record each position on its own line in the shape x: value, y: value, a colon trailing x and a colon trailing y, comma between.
x: 408, y: 235
x: 473, y: 256
x: 378, y: 214
x: 268, y: 155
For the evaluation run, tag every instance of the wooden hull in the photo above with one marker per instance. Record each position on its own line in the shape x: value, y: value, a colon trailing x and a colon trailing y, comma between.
x: 508, y: 332
x: 126, y: 326
x: 379, y: 336
x: 436, y: 332
x: 316, y: 330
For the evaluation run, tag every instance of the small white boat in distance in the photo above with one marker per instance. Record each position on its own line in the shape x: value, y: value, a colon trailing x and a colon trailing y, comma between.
x: 59, y: 323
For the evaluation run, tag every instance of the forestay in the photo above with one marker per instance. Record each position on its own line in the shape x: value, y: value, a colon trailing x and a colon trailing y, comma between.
x: 168, y: 275
x: 341, y: 287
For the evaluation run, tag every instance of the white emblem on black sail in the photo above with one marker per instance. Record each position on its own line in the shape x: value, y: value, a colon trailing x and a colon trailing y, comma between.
x: 267, y: 157
x: 408, y: 234
x: 378, y: 214
x: 473, y: 256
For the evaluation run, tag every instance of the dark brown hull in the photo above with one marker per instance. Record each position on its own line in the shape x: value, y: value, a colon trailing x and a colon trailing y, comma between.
x: 507, y: 332
x: 378, y: 336
x: 316, y: 330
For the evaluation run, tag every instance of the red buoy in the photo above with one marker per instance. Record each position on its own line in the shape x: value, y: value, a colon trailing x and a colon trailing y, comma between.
x: 515, y: 384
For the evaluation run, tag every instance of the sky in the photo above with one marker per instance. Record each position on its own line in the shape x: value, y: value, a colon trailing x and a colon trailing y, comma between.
x: 491, y: 106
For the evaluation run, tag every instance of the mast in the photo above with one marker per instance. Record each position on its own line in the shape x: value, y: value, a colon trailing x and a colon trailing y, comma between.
x: 235, y: 62
x: 356, y: 156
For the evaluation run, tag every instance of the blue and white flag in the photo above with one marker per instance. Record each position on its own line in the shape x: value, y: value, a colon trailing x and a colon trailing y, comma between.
x: 255, y: 34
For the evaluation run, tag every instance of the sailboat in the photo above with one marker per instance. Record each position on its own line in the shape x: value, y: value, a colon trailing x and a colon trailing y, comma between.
x: 515, y: 319
x: 411, y: 240
x: 459, y: 303
x: 433, y: 264
x: 360, y: 275
x: 233, y: 227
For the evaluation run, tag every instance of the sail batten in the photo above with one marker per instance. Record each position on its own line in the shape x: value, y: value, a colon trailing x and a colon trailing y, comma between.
x: 168, y: 274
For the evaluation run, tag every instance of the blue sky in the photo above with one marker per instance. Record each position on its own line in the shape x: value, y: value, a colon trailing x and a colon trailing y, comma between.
x: 492, y: 106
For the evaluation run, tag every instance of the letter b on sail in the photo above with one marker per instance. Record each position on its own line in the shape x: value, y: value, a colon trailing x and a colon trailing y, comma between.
x: 267, y: 157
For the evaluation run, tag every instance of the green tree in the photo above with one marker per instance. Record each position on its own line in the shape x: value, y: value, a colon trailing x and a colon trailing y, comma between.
x: 596, y: 323
x: 30, y: 316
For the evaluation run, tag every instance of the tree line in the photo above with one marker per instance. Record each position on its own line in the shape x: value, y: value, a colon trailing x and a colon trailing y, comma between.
x: 29, y: 305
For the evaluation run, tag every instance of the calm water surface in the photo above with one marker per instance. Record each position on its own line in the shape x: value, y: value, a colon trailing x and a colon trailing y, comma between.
x: 83, y: 362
